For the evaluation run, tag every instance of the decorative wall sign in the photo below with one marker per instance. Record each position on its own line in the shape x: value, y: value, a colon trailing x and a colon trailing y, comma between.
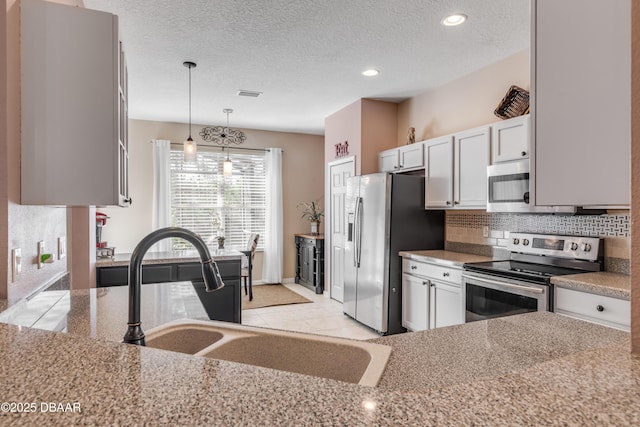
x: 222, y: 136
x: 342, y: 149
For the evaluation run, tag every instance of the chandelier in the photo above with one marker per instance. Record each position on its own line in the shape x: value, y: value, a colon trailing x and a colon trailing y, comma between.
x: 221, y: 135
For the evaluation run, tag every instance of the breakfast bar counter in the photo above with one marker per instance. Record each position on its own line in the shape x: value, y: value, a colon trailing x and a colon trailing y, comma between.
x: 557, y: 371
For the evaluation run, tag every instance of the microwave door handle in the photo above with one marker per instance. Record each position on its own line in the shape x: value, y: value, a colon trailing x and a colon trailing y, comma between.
x: 526, y: 197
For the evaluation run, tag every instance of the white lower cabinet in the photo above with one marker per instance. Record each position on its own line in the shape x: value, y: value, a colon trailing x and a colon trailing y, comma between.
x: 608, y: 311
x: 445, y: 305
x: 431, y: 295
x: 415, y: 303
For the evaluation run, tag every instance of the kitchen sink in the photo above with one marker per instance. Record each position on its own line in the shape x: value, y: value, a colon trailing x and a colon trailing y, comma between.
x: 327, y: 357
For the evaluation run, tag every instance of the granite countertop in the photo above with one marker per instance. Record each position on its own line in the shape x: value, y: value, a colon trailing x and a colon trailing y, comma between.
x: 602, y: 283
x: 538, y: 368
x: 103, y: 312
x: 446, y: 258
x: 167, y: 257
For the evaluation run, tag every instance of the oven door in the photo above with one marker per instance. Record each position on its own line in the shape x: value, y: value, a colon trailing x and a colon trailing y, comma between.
x: 486, y: 297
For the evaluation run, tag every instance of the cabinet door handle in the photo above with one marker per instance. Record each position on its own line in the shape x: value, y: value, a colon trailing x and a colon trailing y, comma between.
x: 414, y: 267
x: 448, y: 203
x: 129, y: 200
x: 524, y: 153
x: 426, y: 283
x: 600, y: 308
x: 456, y: 202
x: 445, y: 274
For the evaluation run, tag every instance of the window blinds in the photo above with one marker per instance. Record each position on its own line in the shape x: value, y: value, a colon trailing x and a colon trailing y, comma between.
x: 206, y: 202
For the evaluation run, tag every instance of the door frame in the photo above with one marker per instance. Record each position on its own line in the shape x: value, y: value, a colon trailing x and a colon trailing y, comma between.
x: 327, y: 223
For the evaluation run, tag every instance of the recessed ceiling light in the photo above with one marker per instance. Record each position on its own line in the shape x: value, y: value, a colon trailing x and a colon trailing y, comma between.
x: 370, y: 72
x: 453, y: 20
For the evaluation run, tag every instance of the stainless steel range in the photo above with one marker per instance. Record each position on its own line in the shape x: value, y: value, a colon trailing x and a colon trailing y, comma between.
x: 522, y: 283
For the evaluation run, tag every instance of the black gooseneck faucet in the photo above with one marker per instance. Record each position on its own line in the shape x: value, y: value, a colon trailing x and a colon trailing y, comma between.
x: 210, y: 273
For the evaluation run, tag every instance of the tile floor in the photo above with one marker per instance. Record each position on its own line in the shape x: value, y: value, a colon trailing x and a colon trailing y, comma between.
x: 324, y: 316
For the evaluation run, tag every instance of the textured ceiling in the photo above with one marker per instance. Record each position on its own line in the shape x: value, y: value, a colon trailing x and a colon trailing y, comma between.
x: 306, y: 56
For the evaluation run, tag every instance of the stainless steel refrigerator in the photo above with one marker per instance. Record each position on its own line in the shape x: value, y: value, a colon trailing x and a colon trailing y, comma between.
x: 385, y: 215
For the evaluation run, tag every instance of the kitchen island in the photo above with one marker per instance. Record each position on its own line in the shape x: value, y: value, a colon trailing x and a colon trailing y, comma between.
x: 538, y: 368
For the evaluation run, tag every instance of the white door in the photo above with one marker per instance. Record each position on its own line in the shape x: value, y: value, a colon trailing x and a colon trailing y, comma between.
x: 438, y: 172
x: 415, y: 303
x: 445, y: 305
x: 338, y: 173
x: 472, y: 156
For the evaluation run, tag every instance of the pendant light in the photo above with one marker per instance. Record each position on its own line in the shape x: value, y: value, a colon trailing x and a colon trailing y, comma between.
x: 190, y: 146
x: 227, y: 167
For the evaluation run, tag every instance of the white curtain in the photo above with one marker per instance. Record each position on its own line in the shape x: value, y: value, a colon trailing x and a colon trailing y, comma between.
x: 272, y: 263
x: 161, y: 190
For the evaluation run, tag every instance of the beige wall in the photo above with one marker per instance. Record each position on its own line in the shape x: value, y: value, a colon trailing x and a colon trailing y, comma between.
x: 302, y: 180
x: 369, y: 126
x: 463, y: 103
x: 341, y: 126
x: 21, y: 226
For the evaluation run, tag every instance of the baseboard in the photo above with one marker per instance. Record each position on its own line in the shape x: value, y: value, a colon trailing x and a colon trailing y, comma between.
x: 284, y: 281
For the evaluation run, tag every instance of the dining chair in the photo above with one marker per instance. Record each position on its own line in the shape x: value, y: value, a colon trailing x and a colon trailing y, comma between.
x: 247, y: 264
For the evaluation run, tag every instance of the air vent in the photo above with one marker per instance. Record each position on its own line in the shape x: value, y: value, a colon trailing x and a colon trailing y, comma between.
x: 251, y: 93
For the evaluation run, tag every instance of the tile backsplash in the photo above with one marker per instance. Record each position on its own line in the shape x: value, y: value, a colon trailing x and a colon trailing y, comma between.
x: 465, y: 230
x: 601, y: 226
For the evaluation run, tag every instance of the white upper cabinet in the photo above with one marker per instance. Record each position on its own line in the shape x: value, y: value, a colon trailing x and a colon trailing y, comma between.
x: 510, y: 139
x: 456, y: 170
x: 388, y: 160
x: 471, y: 158
x: 411, y: 156
x: 74, y: 107
x: 581, y: 102
x: 402, y: 159
x: 438, y: 173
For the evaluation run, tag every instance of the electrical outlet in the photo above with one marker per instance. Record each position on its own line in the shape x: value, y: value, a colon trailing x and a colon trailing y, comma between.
x: 485, y: 231
x: 16, y: 263
x: 62, y: 247
x: 41, y: 249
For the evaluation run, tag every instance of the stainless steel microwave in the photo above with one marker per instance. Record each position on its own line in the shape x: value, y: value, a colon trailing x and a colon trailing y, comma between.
x: 508, y: 190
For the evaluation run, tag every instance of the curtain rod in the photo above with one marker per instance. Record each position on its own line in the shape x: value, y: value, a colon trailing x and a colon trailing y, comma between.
x: 177, y: 144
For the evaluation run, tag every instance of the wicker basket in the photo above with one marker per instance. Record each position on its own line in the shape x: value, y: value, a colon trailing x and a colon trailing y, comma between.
x: 515, y: 103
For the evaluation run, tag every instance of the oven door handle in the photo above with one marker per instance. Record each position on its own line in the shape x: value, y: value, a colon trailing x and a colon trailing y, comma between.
x: 503, y: 284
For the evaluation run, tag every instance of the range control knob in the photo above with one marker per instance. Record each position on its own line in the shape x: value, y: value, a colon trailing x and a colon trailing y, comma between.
x: 516, y: 240
x: 586, y: 247
x: 525, y: 242
x: 574, y: 246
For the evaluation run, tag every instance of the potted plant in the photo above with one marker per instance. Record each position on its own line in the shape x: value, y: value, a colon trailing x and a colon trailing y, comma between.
x: 220, y: 240
x: 312, y: 212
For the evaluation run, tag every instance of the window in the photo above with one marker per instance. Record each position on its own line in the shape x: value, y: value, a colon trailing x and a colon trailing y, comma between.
x: 206, y: 202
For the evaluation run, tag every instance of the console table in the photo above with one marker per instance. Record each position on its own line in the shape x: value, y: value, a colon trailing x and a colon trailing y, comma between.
x: 310, y: 261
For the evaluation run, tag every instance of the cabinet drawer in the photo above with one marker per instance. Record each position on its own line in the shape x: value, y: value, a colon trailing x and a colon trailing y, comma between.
x: 446, y: 274
x: 600, y: 309
x: 306, y: 241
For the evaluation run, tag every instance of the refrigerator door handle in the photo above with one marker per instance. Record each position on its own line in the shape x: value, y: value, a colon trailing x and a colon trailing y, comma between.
x: 355, y: 233
x: 359, y: 207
